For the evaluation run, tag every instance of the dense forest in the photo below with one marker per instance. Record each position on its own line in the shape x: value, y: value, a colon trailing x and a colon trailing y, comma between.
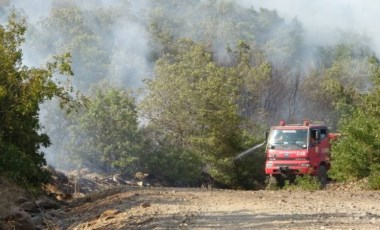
x: 174, y: 89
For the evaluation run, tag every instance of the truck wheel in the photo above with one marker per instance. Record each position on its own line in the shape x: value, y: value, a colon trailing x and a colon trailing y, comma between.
x: 275, y: 182
x: 322, y: 175
x: 280, y: 180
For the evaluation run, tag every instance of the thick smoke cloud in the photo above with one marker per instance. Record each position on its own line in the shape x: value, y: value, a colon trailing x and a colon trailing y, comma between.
x: 324, y: 23
x: 126, y: 43
x: 128, y: 62
x: 33, y: 10
x: 329, y: 22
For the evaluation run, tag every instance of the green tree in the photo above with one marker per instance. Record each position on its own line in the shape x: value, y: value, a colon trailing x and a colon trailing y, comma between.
x: 69, y: 29
x: 332, y: 89
x: 22, y: 90
x: 193, y: 102
x: 221, y: 24
x: 175, y: 165
x: 106, y: 133
x: 356, y: 155
x: 265, y: 88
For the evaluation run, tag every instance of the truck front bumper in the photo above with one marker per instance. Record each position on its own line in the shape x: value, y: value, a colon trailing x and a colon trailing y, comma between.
x: 287, y: 168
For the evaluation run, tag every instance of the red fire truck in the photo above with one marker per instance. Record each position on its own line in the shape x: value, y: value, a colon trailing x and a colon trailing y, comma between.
x: 298, y: 149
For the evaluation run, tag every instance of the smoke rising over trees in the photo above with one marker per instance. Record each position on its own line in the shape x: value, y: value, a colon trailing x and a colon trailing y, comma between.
x: 208, y: 77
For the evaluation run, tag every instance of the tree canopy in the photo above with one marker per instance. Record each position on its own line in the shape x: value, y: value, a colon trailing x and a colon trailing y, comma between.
x: 22, y: 90
x: 356, y: 155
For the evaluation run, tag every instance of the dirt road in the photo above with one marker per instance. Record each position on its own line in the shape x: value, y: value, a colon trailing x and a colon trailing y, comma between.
x: 175, y: 208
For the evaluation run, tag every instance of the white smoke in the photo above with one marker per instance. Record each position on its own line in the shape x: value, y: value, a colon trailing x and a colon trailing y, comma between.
x: 129, y: 62
x: 127, y: 39
x: 328, y: 22
x: 33, y: 10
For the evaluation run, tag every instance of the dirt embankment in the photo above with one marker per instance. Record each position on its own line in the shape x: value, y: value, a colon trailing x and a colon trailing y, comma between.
x: 174, y: 208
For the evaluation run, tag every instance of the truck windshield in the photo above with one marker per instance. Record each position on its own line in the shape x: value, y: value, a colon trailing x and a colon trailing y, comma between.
x: 288, y: 139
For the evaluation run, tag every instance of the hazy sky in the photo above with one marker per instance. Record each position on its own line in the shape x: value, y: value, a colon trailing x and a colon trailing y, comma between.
x: 323, y: 20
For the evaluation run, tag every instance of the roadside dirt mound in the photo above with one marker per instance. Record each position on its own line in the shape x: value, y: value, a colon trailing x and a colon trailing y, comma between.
x: 67, y: 185
x: 20, y: 209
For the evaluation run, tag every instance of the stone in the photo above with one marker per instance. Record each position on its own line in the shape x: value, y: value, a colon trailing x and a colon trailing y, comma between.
x: 29, y: 206
x: 109, y: 214
x: 38, y: 220
x: 21, y: 199
x: 145, y: 205
x: 46, y: 203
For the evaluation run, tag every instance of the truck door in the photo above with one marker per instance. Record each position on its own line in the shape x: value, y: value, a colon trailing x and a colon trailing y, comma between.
x: 314, y: 147
x: 319, y: 146
x: 324, y: 144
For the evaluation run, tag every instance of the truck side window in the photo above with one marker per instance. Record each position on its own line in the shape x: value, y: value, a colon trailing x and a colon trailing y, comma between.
x: 323, y: 133
x: 313, y: 135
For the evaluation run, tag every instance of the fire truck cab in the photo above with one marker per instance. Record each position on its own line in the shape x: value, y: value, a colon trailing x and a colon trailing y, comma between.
x: 298, y: 149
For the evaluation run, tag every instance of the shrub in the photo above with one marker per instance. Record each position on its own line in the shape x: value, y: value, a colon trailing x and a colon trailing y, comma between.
x: 304, y: 182
x: 250, y: 171
x: 175, y: 165
x: 21, y: 167
x: 374, y: 178
x: 22, y: 91
x: 357, y: 150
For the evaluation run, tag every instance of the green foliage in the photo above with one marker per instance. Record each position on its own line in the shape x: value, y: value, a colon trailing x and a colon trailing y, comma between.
x: 69, y: 29
x: 22, y: 91
x: 193, y: 102
x: 356, y: 154
x: 178, y: 167
x: 332, y: 90
x: 21, y: 167
x: 223, y: 23
x: 263, y: 89
x: 105, y: 132
x: 374, y: 177
x: 250, y: 171
x: 357, y: 149
x: 304, y: 182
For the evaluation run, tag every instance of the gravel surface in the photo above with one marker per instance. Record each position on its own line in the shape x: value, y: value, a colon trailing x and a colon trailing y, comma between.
x: 184, y: 208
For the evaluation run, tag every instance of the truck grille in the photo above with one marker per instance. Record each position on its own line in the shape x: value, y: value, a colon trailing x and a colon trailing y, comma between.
x: 285, y: 159
x: 286, y: 165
